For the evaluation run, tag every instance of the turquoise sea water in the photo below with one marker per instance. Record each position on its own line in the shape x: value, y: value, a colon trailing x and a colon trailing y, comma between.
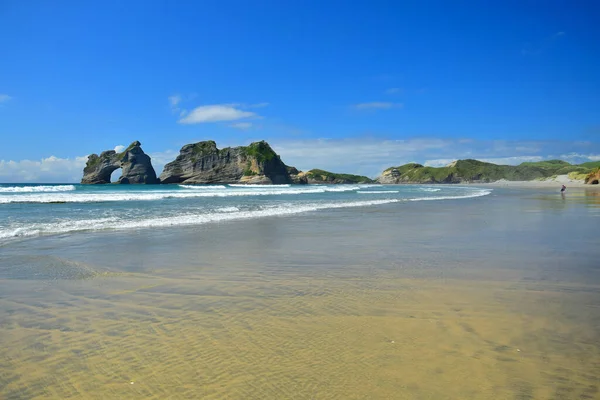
x: 28, y: 210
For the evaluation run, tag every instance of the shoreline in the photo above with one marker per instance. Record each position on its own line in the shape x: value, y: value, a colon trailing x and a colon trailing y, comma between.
x: 538, y: 184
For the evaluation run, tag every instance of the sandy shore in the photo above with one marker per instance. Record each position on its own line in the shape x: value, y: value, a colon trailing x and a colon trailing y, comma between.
x: 548, y: 183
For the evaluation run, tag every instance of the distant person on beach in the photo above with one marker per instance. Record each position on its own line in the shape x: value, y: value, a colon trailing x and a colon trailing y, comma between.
x: 563, y: 188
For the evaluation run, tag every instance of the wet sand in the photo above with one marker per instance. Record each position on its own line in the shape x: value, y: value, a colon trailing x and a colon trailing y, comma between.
x: 490, y: 298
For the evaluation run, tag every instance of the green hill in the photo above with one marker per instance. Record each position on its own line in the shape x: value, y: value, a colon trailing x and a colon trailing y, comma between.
x: 321, y: 176
x: 479, y: 171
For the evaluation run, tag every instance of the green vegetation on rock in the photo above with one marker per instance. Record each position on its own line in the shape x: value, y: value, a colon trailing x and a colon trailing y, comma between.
x: 320, y: 175
x: 93, y: 161
x: 203, y: 148
x: 479, y: 171
x: 261, y: 151
x: 121, y: 155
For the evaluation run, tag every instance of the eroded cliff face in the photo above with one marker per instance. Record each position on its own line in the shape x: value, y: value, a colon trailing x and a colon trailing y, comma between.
x: 135, y: 164
x: 297, y: 177
x: 203, y: 162
x: 593, y: 178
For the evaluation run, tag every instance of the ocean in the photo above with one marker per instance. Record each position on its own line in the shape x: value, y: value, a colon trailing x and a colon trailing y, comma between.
x: 34, y: 210
x: 303, y: 292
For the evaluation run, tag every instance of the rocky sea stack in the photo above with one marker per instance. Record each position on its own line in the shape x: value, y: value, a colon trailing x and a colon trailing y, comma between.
x: 136, y: 166
x: 203, y: 162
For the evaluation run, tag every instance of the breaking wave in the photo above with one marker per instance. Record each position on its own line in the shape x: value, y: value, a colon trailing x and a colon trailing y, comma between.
x: 34, y: 189
x: 197, y: 218
x: 84, y: 197
x: 204, y: 187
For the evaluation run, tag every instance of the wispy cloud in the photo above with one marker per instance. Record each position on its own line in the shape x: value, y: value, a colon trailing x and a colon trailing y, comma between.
x: 4, y: 98
x: 174, y: 100
x: 119, y: 148
x: 393, y: 90
x: 241, y: 125
x: 216, y: 113
x: 532, y: 49
x: 579, y: 158
x: 377, y: 105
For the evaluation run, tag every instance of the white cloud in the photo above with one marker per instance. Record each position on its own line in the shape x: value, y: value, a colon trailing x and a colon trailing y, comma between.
x: 4, y: 98
x: 46, y: 170
x: 393, y: 90
x: 216, y: 113
x: 160, y: 158
x: 369, y: 156
x: 579, y: 158
x: 364, y: 156
x: 512, y: 160
x: 381, y: 105
x: 174, y: 100
x: 442, y: 162
x: 241, y: 125
x: 119, y: 148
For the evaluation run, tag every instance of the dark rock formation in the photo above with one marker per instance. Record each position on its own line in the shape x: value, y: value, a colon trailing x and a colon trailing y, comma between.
x: 203, y: 162
x: 593, y: 178
x: 136, y: 166
x: 297, y: 177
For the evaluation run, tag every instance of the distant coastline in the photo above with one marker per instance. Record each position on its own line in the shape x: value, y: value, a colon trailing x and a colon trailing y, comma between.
x: 257, y: 163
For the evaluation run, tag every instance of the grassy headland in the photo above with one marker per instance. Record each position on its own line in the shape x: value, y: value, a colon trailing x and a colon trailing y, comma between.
x: 479, y: 171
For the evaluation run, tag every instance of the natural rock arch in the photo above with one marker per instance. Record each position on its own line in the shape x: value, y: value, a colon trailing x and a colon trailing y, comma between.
x: 135, y: 164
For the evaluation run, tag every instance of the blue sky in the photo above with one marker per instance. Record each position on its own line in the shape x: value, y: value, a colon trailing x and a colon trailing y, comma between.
x: 347, y: 86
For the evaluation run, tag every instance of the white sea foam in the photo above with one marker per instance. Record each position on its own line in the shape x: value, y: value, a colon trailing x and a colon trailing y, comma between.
x: 246, y: 185
x: 377, y: 191
x: 478, y: 193
x: 172, y: 221
x: 33, y: 189
x: 190, y: 219
x: 425, y: 189
x: 227, y: 209
x: 206, y: 187
x: 340, y: 188
x: 87, y: 197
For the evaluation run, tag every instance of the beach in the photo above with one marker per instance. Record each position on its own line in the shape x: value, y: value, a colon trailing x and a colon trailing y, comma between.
x: 493, y: 296
x: 555, y: 182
